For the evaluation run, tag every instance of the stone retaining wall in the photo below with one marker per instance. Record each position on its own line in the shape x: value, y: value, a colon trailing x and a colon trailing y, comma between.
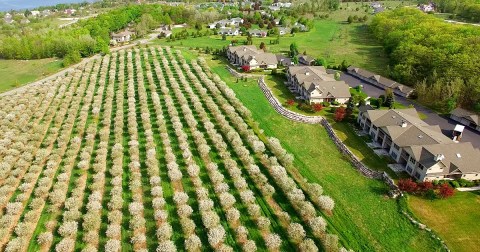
x: 283, y: 111
x: 367, y: 172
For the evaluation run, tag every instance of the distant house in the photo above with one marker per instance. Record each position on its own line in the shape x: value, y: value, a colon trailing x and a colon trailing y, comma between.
x: 421, y: 149
x: 166, y: 33
x: 380, y: 81
x: 236, y: 21
x: 306, y: 60
x: 225, y: 23
x: 283, y: 30
x: 24, y: 21
x: 262, y: 60
x: 46, y: 13
x: 122, y: 37
x: 8, y: 18
x: 378, y: 10
x: 300, y: 27
x: 375, y: 5
x: 284, y: 60
x: 315, y: 85
x: 274, y: 8
x: 252, y: 57
x: 258, y: 33
x: 35, y: 13
x: 427, y: 7
x: 282, y: 5
x: 277, y: 21
x: 69, y: 11
x: 229, y: 31
x: 466, y: 118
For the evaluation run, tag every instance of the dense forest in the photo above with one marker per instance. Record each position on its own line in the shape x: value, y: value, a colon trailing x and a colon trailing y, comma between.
x: 442, y: 60
x: 87, y: 36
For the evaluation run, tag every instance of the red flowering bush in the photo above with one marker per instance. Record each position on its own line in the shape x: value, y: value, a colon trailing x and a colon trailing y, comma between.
x: 445, y: 191
x: 246, y: 68
x: 426, y: 188
x: 340, y: 113
x: 290, y: 103
x: 407, y: 185
x: 317, y: 107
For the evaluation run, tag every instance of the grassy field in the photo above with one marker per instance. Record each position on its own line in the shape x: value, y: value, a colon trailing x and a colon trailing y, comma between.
x: 455, y: 219
x: 365, y: 218
x: 330, y: 39
x: 15, y: 73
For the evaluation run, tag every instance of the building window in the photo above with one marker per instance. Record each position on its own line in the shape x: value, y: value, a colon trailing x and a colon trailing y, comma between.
x: 409, y: 169
x: 394, y: 155
x: 412, y: 160
x: 421, y: 166
x: 417, y: 175
x: 374, y: 127
x: 396, y: 147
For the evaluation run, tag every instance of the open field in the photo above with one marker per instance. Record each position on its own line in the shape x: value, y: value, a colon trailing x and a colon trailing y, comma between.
x: 15, y: 73
x: 454, y: 218
x: 141, y: 149
x: 365, y: 218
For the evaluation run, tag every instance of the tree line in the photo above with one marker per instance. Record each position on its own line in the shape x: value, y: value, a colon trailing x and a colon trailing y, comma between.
x: 440, y: 59
x: 89, y: 36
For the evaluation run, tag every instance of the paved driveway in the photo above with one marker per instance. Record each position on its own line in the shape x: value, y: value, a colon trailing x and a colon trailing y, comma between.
x: 445, y: 123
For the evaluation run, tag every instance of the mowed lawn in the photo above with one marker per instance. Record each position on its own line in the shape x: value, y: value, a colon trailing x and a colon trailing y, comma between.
x: 454, y: 219
x: 330, y: 39
x: 16, y: 73
x: 364, y: 218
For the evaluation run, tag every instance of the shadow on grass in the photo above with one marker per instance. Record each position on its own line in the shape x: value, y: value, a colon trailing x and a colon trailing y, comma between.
x: 379, y: 190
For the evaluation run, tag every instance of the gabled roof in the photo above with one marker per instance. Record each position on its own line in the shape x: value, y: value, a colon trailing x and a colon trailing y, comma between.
x: 229, y: 30
x: 391, y: 117
x: 244, y: 50
x: 463, y: 113
x: 462, y: 157
x: 257, y: 31
x: 306, y: 58
x: 122, y: 34
x: 331, y: 89
x: 264, y: 58
x: 412, y: 135
x: 385, y: 82
x: 316, y: 78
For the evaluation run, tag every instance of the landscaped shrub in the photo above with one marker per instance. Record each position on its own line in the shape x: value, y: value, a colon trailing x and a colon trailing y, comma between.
x: 454, y: 183
x: 340, y: 114
x: 427, y: 189
x: 445, y: 191
x: 316, y: 107
x: 407, y: 185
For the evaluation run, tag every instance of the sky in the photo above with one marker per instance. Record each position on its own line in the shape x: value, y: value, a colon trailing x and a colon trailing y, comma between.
x: 6, y: 5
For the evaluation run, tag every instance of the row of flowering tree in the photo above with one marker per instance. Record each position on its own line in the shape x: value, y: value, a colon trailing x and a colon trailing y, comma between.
x: 41, y: 172
x: 149, y: 142
x: 58, y: 197
x: 288, y: 185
